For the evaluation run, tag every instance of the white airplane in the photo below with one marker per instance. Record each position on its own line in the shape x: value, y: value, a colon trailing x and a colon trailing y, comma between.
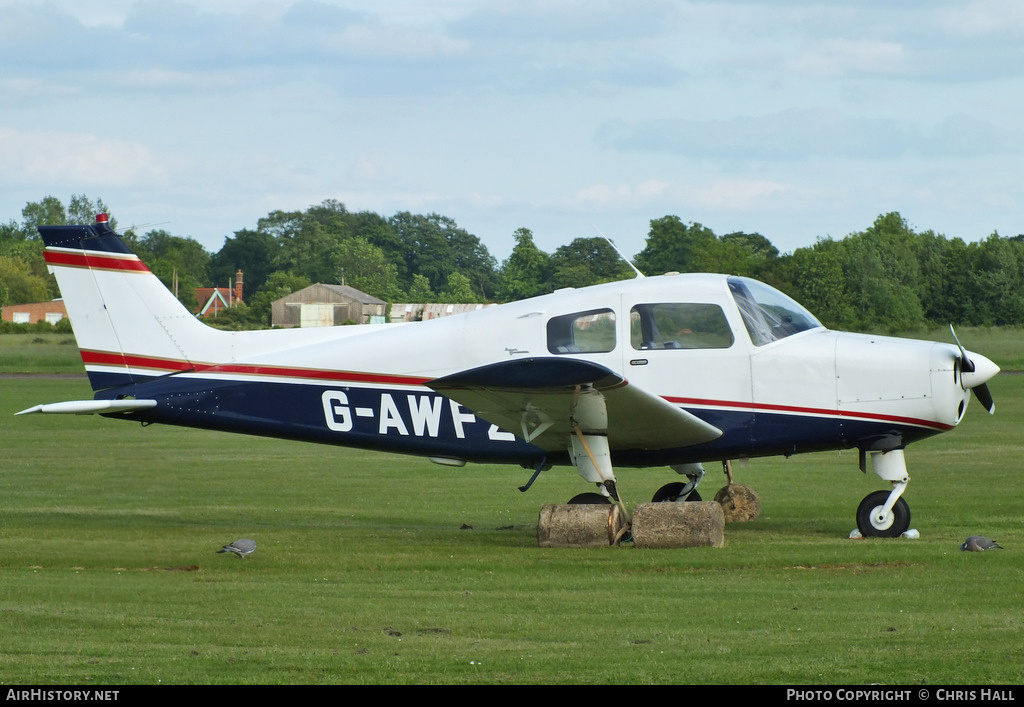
x: 674, y: 370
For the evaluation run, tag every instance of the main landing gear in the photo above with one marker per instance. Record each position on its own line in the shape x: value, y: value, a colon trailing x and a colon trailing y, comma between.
x: 677, y: 491
x: 885, y: 514
x: 680, y: 490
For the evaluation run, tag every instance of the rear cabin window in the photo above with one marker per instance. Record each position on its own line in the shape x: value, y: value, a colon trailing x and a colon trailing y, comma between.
x: 679, y: 326
x: 582, y: 332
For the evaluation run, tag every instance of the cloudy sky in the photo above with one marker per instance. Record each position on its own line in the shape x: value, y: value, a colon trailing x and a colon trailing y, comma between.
x: 797, y: 119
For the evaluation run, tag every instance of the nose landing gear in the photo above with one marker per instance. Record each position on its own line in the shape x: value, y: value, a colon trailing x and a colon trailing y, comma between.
x: 885, y: 514
x: 875, y: 520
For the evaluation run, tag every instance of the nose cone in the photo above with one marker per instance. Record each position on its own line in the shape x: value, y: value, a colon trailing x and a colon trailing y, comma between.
x: 976, y: 370
x: 983, y: 370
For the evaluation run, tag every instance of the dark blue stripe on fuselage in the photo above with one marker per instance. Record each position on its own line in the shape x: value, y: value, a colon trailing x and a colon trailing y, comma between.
x: 410, y: 421
x: 421, y: 422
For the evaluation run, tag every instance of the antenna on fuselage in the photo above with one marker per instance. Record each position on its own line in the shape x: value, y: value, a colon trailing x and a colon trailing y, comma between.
x: 621, y: 254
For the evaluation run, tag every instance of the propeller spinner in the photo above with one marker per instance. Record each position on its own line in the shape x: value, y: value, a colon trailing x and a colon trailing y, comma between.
x: 975, y: 372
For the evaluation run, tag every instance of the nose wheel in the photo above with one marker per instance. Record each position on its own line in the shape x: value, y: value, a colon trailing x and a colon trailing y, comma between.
x: 884, y: 514
x: 873, y: 520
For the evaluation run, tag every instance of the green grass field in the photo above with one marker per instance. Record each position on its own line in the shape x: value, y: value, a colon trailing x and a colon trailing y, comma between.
x: 375, y: 568
x: 39, y: 353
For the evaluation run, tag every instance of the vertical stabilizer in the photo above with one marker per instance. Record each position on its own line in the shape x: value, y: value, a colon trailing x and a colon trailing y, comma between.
x: 127, y: 324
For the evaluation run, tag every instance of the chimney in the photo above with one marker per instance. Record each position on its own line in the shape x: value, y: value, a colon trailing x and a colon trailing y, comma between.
x: 238, y: 286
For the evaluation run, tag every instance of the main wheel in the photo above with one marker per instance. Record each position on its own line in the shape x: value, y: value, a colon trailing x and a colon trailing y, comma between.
x: 670, y: 492
x: 892, y: 525
x: 589, y: 499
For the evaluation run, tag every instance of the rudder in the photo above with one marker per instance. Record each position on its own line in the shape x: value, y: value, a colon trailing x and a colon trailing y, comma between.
x: 127, y: 324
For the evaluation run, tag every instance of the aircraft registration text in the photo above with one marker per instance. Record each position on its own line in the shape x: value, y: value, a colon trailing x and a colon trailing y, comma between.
x: 423, y: 416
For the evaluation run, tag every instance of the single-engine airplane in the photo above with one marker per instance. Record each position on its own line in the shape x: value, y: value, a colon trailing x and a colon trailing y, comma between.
x: 674, y: 370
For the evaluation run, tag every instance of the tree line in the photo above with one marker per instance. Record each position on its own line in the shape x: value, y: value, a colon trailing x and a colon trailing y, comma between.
x: 886, y: 277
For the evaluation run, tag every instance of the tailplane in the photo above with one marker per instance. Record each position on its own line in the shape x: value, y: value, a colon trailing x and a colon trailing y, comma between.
x: 127, y: 323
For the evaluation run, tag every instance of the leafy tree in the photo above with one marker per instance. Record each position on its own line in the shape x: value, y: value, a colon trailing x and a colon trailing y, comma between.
x: 21, y: 284
x: 11, y: 234
x: 934, y: 277
x: 179, y: 262
x: 673, y: 246
x: 420, y: 290
x: 14, y: 244
x: 956, y: 300
x: 306, y: 241
x: 526, y: 270
x: 997, y: 288
x: 83, y: 210
x: 435, y: 247
x: 749, y: 254
x: 587, y: 261
x: 458, y: 290
x: 378, y: 231
x: 365, y: 267
x: 236, y: 317
x: 817, y: 280
x: 252, y: 252
x: 48, y: 212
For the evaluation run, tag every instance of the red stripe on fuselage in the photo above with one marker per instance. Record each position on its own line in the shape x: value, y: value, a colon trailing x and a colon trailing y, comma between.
x: 169, y: 365
x: 286, y: 372
x: 817, y: 412
x: 94, y: 261
x: 113, y: 358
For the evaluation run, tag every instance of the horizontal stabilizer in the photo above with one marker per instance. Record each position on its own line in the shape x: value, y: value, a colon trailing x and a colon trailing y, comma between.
x: 90, y: 407
x: 534, y: 399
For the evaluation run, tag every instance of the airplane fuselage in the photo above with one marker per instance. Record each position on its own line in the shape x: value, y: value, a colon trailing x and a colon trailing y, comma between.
x: 670, y: 370
x: 367, y: 386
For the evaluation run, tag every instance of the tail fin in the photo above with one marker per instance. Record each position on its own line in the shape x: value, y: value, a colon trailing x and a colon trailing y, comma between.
x: 127, y: 324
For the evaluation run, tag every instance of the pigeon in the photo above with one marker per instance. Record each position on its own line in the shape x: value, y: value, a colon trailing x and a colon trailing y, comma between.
x: 977, y: 543
x: 241, y: 547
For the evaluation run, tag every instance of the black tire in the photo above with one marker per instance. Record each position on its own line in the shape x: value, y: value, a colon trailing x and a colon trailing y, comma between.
x: 895, y: 526
x: 669, y: 492
x: 589, y: 499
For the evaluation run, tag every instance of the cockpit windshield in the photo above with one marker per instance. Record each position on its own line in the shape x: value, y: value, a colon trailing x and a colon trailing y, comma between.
x: 768, y: 314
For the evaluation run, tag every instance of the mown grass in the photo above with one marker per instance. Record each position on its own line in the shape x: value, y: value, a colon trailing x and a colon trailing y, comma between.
x: 36, y: 352
x: 374, y: 568
x: 1004, y: 345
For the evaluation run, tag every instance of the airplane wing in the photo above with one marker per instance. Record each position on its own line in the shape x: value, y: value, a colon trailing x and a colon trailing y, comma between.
x: 534, y: 399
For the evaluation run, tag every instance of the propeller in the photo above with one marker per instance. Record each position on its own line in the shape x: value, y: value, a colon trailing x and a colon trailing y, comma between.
x: 975, y: 374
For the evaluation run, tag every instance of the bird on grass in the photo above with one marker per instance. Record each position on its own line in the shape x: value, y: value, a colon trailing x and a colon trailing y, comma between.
x: 977, y: 543
x: 241, y: 547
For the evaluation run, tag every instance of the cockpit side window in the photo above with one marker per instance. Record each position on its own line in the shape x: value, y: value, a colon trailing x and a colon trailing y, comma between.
x: 679, y: 326
x: 592, y: 331
x: 768, y: 314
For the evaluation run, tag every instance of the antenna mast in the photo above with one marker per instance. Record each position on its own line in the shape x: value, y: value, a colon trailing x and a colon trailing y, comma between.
x: 621, y: 255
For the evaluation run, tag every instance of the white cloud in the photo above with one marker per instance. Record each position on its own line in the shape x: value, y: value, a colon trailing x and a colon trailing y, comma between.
x: 742, y: 194
x: 841, y: 57
x: 801, y: 116
x: 983, y: 18
x: 721, y: 194
x: 66, y: 158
